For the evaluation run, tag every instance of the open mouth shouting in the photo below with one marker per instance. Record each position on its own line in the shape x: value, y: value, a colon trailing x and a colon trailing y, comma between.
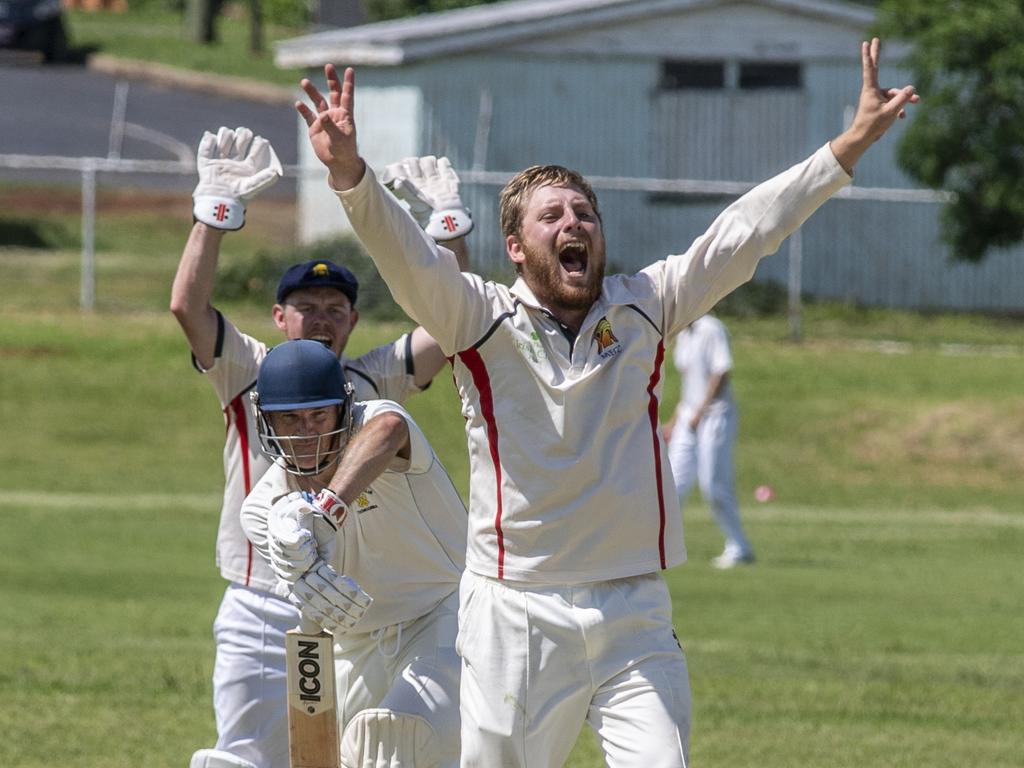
x: 573, y: 257
x: 323, y: 338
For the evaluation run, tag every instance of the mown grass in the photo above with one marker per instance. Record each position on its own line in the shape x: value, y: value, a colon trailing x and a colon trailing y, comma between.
x: 880, y: 626
x: 160, y: 35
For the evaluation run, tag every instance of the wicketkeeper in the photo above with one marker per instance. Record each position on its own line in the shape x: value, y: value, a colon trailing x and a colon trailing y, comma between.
x: 315, y: 300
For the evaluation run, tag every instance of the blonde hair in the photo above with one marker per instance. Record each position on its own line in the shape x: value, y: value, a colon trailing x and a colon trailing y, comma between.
x: 516, y: 193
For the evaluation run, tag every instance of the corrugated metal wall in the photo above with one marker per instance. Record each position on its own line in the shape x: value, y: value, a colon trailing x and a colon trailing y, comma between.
x: 609, y: 118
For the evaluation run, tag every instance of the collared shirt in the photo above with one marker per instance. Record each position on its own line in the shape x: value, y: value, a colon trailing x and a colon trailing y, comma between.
x: 570, y: 480
x: 702, y: 351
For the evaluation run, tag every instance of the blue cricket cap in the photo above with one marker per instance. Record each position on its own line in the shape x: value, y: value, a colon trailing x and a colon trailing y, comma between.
x: 317, y: 273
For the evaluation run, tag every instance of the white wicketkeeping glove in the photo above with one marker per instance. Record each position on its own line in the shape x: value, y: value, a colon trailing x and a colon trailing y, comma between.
x: 329, y: 599
x: 234, y: 166
x: 431, y: 188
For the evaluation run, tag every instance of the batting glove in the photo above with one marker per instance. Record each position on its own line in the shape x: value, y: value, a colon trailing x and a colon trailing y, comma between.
x: 297, y: 536
x: 431, y: 188
x: 329, y: 599
x: 331, y: 507
x: 234, y: 166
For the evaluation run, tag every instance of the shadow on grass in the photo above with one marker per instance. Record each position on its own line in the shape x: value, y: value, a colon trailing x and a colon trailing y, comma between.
x: 36, y: 234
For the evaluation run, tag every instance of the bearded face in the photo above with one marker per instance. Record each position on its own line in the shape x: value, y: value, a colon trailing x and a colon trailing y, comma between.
x: 560, y: 249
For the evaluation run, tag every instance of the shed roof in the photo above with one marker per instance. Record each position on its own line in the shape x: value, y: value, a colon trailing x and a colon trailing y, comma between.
x: 497, y: 25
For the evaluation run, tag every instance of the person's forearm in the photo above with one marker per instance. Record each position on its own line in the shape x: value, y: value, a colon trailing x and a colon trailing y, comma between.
x: 369, y: 453
x: 715, y: 386
x: 849, y: 146
x: 459, y: 247
x: 192, y: 291
x: 344, y: 176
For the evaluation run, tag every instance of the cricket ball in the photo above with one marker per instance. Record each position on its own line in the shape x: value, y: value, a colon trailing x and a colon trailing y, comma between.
x: 764, y: 493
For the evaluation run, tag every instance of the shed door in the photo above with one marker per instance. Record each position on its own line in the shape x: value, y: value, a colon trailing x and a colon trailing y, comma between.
x: 731, y: 135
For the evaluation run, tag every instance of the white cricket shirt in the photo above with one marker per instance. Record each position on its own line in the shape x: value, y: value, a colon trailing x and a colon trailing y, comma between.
x: 570, y: 480
x: 383, y: 372
x: 702, y: 351
x: 404, y: 538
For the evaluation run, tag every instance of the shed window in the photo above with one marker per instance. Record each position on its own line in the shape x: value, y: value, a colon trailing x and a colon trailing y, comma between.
x: 776, y: 75
x: 677, y: 75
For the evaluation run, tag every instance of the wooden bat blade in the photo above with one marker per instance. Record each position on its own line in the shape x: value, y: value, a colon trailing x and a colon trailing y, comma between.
x: 312, y: 715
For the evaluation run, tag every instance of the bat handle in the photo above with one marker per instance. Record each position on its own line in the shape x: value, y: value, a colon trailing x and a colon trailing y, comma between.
x: 309, y: 627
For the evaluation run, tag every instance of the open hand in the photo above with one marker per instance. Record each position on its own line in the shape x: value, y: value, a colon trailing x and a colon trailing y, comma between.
x: 332, y: 127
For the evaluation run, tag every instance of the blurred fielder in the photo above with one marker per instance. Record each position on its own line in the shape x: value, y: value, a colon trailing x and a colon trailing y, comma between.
x: 394, y: 526
x: 702, y: 433
x: 315, y: 300
x: 563, y: 615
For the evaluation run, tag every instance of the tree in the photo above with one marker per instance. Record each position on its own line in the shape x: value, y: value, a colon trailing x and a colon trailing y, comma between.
x: 967, y: 135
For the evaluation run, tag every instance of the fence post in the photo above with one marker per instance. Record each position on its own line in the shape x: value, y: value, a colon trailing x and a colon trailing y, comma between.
x: 796, y: 258
x: 87, y: 294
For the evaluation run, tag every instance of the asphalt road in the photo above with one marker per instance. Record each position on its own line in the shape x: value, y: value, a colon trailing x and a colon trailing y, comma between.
x: 68, y: 111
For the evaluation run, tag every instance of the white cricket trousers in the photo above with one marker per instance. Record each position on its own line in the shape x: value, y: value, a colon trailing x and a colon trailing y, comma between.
x: 249, y: 675
x: 707, y: 457
x: 538, y: 661
x: 410, y: 668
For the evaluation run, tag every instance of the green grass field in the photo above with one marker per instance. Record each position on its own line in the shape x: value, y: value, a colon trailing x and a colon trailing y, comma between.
x: 883, y: 624
x: 161, y: 35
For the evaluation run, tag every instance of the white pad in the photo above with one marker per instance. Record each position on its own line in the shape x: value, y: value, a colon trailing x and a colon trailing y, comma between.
x: 380, y: 738
x: 215, y: 758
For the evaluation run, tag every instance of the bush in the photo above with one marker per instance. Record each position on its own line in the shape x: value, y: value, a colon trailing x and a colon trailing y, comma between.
x: 755, y: 299
x: 256, y: 280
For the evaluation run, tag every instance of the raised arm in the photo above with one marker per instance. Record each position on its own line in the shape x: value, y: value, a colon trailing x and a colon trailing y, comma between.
x: 193, y: 288
x: 381, y: 440
x: 425, y: 279
x: 877, y: 109
x: 234, y: 166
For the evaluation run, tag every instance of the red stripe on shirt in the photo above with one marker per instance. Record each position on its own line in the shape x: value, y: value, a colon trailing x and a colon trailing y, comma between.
x: 482, y: 381
x: 237, y: 408
x: 652, y: 412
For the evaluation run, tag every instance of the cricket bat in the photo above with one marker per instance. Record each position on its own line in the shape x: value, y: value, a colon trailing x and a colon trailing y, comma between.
x: 312, y: 709
x: 312, y: 715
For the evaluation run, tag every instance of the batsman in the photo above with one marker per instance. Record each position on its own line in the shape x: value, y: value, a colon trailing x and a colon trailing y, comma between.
x: 366, y: 533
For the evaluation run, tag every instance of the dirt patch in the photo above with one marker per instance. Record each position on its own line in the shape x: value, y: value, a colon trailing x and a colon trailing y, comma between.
x: 972, y: 441
x: 114, y: 201
x: 30, y: 352
x: 69, y: 201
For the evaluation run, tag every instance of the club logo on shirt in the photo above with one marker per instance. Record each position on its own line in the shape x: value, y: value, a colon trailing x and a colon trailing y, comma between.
x: 607, y: 343
x: 531, y: 347
x: 363, y: 503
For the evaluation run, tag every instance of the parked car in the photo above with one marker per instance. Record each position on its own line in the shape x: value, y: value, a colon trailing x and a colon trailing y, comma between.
x: 34, y: 25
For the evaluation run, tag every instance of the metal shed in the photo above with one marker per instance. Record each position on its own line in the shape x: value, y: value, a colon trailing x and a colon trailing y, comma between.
x: 668, y: 106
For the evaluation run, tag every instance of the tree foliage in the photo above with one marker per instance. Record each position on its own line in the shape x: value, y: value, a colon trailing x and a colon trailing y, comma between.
x: 967, y: 135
